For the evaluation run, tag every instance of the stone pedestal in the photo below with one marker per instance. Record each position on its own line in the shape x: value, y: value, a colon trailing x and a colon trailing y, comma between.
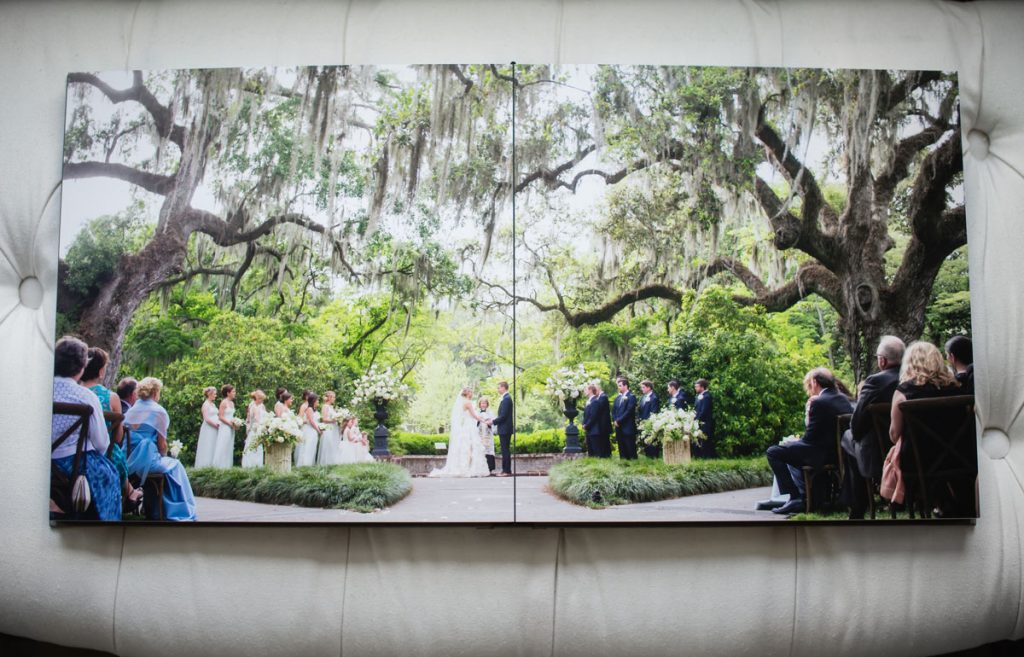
x: 676, y: 451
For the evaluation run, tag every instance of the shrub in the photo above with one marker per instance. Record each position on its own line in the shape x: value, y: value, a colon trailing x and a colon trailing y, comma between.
x: 362, y: 487
x: 602, y: 482
x: 546, y: 441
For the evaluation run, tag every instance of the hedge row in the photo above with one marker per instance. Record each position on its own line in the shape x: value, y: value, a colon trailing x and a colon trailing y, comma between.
x: 546, y: 441
x: 602, y: 482
x: 362, y: 487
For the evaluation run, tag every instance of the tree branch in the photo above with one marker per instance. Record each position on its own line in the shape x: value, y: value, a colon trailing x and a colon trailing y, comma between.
x: 152, y: 182
x: 928, y: 195
x: 140, y: 94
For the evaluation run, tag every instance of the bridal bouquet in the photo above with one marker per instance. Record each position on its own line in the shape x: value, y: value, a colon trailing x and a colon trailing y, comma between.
x: 379, y: 386
x: 237, y: 423
x: 671, y: 424
x: 567, y: 383
x: 174, y: 448
x: 273, y: 430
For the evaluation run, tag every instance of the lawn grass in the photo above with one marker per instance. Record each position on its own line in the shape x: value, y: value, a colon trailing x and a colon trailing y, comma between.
x: 597, y: 483
x: 362, y: 487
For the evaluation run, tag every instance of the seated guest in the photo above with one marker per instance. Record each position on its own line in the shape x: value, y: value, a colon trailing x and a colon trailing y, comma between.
x: 860, y: 444
x: 923, y: 375
x: 95, y: 371
x: 648, y: 406
x: 816, y: 447
x: 126, y: 391
x: 960, y: 354
x: 69, y: 360
x: 149, y: 423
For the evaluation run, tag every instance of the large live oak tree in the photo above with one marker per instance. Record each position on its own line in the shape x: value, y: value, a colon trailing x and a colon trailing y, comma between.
x: 895, y: 138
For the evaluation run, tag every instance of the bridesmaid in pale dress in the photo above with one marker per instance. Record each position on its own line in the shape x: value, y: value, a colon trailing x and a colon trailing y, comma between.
x: 253, y: 417
x: 224, y: 451
x: 330, y: 440
x: 284, y: 403
x: 305, y: 453
x: 304, y: 405
x: 208, y: 431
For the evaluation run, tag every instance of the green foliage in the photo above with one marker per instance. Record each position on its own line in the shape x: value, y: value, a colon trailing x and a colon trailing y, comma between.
x: 96, y: 250
x: 363, y: 487
x: 249, y: 353
x: 949, y: 312
x: 756, y: 378
x: 602, y: 482
x: 546, y: 441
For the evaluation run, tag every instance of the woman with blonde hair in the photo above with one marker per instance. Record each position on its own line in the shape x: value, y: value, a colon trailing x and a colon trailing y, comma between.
x: 923, y: 374
x: 208, y: 431
x: 253, y: 416
x: 149, y: 423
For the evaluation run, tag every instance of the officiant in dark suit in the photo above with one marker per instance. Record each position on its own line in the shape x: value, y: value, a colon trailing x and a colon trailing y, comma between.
x: 706, y: 417
x: 648, y: 406
x: 817, y: 446
x: 624, y: 417
x: 597, y: 423
x: 503, y: 426
x: 862, y: 454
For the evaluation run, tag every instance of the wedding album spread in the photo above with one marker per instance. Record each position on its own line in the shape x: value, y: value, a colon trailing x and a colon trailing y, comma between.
x: 496, y: 294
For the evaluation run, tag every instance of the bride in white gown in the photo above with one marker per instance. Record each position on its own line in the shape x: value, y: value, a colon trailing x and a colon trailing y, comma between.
x: 466, y: 457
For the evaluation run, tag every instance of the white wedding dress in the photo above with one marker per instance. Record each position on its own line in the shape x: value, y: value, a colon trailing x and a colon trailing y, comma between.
x: 466, y: 457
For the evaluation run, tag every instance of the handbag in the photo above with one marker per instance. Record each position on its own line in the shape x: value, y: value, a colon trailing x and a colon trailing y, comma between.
x: 891, y: 487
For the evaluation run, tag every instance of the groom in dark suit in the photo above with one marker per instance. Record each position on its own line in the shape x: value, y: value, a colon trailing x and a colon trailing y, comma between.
x: 704, y: 409
x: 503, y: 427
x: 624, y: 416
x: 597, y: 423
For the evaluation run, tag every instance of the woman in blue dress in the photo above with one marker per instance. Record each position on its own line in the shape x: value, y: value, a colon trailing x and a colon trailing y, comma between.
x: 149, y: 422
x: 70, y: 358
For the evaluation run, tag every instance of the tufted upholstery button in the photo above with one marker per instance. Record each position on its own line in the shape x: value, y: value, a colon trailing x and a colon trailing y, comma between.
x: 978, y: 144
x: 995, y: 443
x: 30, y: 292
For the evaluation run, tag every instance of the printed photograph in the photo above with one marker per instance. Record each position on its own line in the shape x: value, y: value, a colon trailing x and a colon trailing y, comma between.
x: 497, y: 294
x: 269, y: 308
x: 744, y: 293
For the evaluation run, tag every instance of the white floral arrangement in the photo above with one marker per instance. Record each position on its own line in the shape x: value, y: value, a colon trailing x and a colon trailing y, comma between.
x: 174, y: 448
x: 273, y: 430
x: 568, y: 383
x: 379, y: 385
x: 670, y: 425
x: 237, y: 423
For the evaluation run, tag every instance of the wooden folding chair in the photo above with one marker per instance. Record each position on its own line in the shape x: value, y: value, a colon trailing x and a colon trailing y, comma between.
x: 881, y: 417
x: 835, y: 471
x: 153, y: 488
x: 61, y: 483
x: 939, y: 458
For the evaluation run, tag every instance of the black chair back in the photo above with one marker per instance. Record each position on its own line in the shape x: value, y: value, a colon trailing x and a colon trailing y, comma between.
x: 939, y: 458
x: 61, y: 483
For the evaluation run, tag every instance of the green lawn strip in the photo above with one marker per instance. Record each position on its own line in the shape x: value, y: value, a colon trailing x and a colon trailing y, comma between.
x: 602, y: 482
x: 362, y: 487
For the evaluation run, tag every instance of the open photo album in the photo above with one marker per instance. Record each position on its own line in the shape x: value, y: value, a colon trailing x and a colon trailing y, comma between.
x: 513, y: 294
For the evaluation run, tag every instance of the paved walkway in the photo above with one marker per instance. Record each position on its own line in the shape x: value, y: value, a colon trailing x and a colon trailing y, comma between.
x: 492, y: 500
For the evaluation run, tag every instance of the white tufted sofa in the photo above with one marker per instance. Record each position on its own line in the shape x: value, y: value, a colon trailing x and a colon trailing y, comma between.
x: 365, y: 591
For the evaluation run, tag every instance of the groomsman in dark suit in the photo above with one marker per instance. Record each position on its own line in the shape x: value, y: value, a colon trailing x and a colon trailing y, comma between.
x: 648, y: 406
x: 706, y: 418
x: 503, y: 427
x: 624, y: 416
x: 675, y: 395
